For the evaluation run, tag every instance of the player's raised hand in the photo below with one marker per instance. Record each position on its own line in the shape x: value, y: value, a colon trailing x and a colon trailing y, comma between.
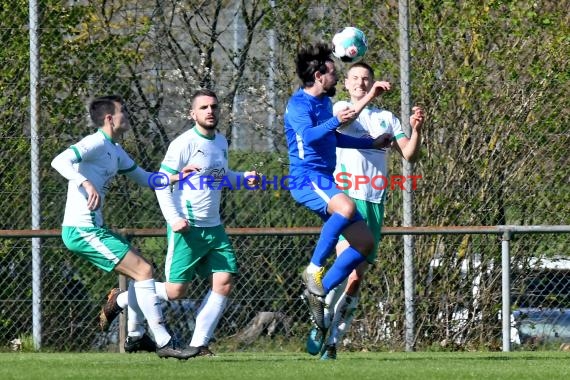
x: 93, y: 197
x: 253, y: 178
x: 380, y: 87
x: 190, y: 168
x: 346, y: 115
x: 383, y: 141
x: 417, y: 118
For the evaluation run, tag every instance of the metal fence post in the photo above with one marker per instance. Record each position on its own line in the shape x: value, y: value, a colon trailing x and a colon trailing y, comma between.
x: 409, y: 286
x: 506, y: 289
x: 35, y: 174
x: 123, y: 317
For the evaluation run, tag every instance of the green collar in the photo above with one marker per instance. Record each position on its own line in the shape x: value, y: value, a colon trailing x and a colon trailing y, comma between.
x: 202, y: 135
x: 106, y: 136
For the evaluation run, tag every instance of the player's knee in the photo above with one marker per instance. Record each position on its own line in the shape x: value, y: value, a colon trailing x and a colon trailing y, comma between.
x: 176, y: 295
x: 347, y: 211
x: 344, y: 206
x: 222, y: 283
x: 175, y: 292
x: 224, y: 290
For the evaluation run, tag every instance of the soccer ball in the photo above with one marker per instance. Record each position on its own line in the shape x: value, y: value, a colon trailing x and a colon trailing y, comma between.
x: 350, y: 44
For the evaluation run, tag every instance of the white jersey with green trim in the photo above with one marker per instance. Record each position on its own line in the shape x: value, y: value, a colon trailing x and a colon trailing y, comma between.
x: 369, y: 164
x: 96, y: 158
x: 197, y: 197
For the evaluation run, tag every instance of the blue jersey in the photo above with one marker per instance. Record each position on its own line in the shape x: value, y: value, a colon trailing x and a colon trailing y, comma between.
x: 310, y: 129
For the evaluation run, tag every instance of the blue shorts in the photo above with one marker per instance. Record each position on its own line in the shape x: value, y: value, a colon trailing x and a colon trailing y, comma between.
x: 314, y: 191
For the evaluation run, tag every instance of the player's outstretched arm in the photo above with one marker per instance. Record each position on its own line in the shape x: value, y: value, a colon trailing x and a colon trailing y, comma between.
x: 378, y: 88
x: 351, y: 142
x: 301, y: 121
x: 184, y: 172
x: 148, y: 179
x: 383, y: 141
x: 409, y: 148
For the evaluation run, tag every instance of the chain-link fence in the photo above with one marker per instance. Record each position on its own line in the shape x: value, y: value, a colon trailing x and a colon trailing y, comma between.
x: 458, y: 295
x: 492, y: 77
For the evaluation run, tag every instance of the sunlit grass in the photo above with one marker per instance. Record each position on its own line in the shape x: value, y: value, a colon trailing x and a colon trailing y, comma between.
x: 271, y: 365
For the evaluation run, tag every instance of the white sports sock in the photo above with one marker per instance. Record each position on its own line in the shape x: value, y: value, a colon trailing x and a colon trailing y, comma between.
x: 150, y: 305
x: 123, y: 299
x: 204, y: 302
x: 328, y: 310
x: 135, y: 317
x: 161, y: 290
x: 343, y: 316
x: 331, y: 300
x: 348, y: 315
x: 208, y: 317
x: 135, y: 322
x: 313, y: 268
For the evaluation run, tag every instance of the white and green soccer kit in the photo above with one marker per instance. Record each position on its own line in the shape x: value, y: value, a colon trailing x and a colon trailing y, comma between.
x: 96, y: 158
x: 205, y: 248
x: 371, y: 163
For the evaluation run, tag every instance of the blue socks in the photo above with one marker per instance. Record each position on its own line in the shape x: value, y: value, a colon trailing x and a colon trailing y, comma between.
x: 348, y: 260
x: 330, y: 232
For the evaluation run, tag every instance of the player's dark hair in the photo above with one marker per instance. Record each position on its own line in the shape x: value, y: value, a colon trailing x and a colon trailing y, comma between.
x: 364, y: 66
x: 311, y: 59
x: 202, y: 92
x: 102, y: 106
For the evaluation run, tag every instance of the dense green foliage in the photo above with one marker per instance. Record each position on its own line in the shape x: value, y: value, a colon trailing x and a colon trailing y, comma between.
x: 493, y: 78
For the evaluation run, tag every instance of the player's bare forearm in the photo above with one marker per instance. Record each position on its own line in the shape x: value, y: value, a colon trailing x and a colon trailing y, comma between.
x: 411, y: 152
x: 378, y: 88
x: 411, y: 147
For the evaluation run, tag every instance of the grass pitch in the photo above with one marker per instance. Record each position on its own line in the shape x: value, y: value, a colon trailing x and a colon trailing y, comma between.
x: 274, y: 366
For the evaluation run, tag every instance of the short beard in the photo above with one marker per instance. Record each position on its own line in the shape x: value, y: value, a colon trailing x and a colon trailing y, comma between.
x: 210, y: 127
x: 331, y: 92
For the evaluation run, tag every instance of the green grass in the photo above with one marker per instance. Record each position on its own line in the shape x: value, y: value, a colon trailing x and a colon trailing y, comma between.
x: 237, y: 366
